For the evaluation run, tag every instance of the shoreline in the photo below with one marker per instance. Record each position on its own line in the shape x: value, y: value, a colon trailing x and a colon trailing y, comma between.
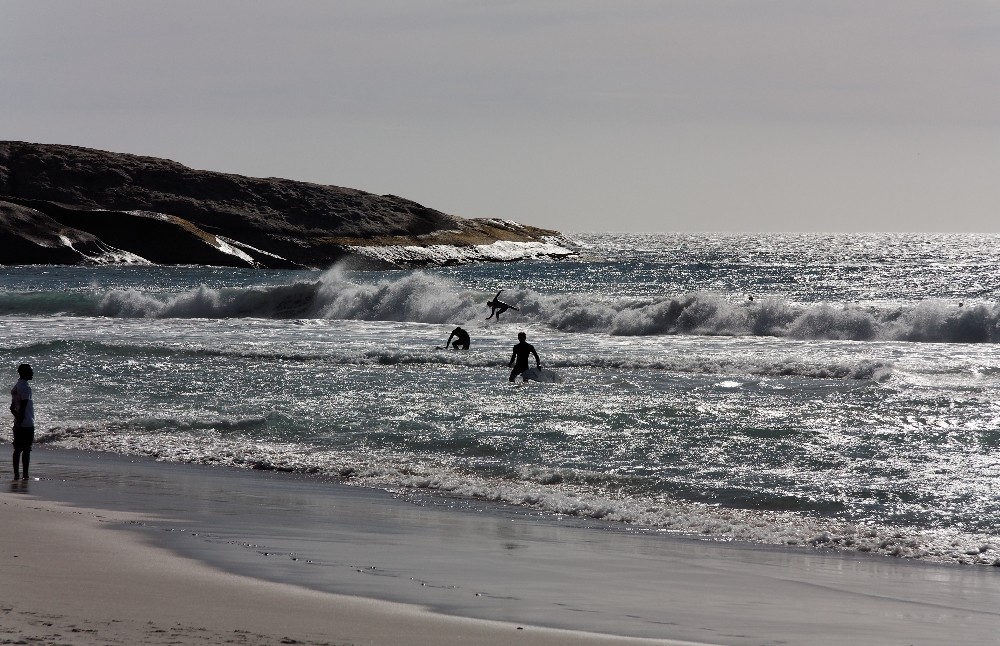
x: 71, y: 580
x: 218, y: 549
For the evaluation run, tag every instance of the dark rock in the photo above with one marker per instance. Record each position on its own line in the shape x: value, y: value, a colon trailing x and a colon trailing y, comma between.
x: 109, y: 205
x: 28, y: 236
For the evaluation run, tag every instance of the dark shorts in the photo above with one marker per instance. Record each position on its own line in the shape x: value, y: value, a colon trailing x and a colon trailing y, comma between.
x: 24, y: 437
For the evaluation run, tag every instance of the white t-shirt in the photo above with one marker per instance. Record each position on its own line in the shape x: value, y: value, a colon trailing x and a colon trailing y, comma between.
x: 21, y: 392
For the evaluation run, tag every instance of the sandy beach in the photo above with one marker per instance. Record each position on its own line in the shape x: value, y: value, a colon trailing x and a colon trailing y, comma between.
x: 70, y: 580
x: 101, y: 549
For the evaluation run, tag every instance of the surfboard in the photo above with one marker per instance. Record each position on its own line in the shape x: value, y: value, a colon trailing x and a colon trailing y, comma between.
x: 542, y: 375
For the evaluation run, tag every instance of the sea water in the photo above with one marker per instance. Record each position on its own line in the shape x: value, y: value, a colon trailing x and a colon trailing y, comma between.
x: 825, y: 391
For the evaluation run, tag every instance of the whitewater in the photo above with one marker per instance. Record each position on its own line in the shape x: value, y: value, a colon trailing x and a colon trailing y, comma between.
x: 824, y: 391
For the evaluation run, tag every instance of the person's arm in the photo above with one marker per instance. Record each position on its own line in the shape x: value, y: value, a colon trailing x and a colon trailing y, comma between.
x: 446, y: 343
x: 18, y: 406
x: 513, y: 356
x: 538, y: 362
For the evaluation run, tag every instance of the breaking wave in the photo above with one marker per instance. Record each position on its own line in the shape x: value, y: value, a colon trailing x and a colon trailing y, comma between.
x: 425, y: 298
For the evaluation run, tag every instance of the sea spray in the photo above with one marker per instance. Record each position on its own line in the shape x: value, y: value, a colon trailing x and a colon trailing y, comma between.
x: 421, y: 297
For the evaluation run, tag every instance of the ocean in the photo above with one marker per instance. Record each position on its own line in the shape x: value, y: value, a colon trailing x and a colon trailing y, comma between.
x: 833, y: 392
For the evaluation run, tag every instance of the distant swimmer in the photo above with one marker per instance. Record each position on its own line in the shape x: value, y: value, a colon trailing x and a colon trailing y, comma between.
x: 498, y: 307
x: 462, y: 342
x: 519, y: 359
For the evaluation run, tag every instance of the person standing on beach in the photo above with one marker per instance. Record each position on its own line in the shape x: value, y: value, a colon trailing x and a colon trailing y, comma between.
x: 461, y: 342
x: 519, y: 359
x: 23, y: 408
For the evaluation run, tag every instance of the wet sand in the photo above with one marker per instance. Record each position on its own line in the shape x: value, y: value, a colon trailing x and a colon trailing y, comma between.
x: 106, y: 549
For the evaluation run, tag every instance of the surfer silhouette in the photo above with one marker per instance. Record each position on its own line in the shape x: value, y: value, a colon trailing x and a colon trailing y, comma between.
x: 462, y: 342
x: 519, y: 359
x: 498, y: 307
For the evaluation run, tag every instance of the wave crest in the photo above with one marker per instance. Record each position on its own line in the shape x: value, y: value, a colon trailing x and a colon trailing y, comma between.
x: 421, y: 297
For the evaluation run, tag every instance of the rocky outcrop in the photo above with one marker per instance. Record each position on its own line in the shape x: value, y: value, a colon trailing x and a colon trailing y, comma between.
x: 71, y: 205
x: 28, y: 236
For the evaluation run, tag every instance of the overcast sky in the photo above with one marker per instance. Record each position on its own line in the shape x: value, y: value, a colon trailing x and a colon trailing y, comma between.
x: 623, y: 115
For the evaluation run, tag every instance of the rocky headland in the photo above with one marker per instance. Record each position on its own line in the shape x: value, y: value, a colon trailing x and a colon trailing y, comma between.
x: 69, y: 205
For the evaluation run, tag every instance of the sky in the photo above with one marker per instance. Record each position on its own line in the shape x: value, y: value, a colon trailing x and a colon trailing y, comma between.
x: 621, y: 115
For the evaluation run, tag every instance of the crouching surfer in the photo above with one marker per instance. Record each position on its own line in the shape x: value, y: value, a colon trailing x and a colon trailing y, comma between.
x: 519, y: 359
x: 461, y: 339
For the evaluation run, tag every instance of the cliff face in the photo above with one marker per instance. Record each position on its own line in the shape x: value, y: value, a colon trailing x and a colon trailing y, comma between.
x: 113, y: 207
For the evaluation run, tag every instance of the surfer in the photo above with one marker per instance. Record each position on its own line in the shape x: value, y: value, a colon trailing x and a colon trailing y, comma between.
x: 23, y: 409
x: 498, y: 307
x: 461, y: 343
x: 519, y: 359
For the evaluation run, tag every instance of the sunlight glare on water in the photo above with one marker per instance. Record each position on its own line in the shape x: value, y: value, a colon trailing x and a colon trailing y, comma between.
x: 852, y: 403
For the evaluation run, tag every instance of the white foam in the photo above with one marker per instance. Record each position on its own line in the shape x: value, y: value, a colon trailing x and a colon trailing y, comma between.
x: 222, y: 245
x: 499, y: 251
x: 550, y: 490
x: 421, y: 297
x: 243, y: 245
x: 109, y: 255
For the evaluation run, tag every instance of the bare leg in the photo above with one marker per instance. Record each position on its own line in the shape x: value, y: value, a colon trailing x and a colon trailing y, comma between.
x: 17, y: 460
x: 25, y: 459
